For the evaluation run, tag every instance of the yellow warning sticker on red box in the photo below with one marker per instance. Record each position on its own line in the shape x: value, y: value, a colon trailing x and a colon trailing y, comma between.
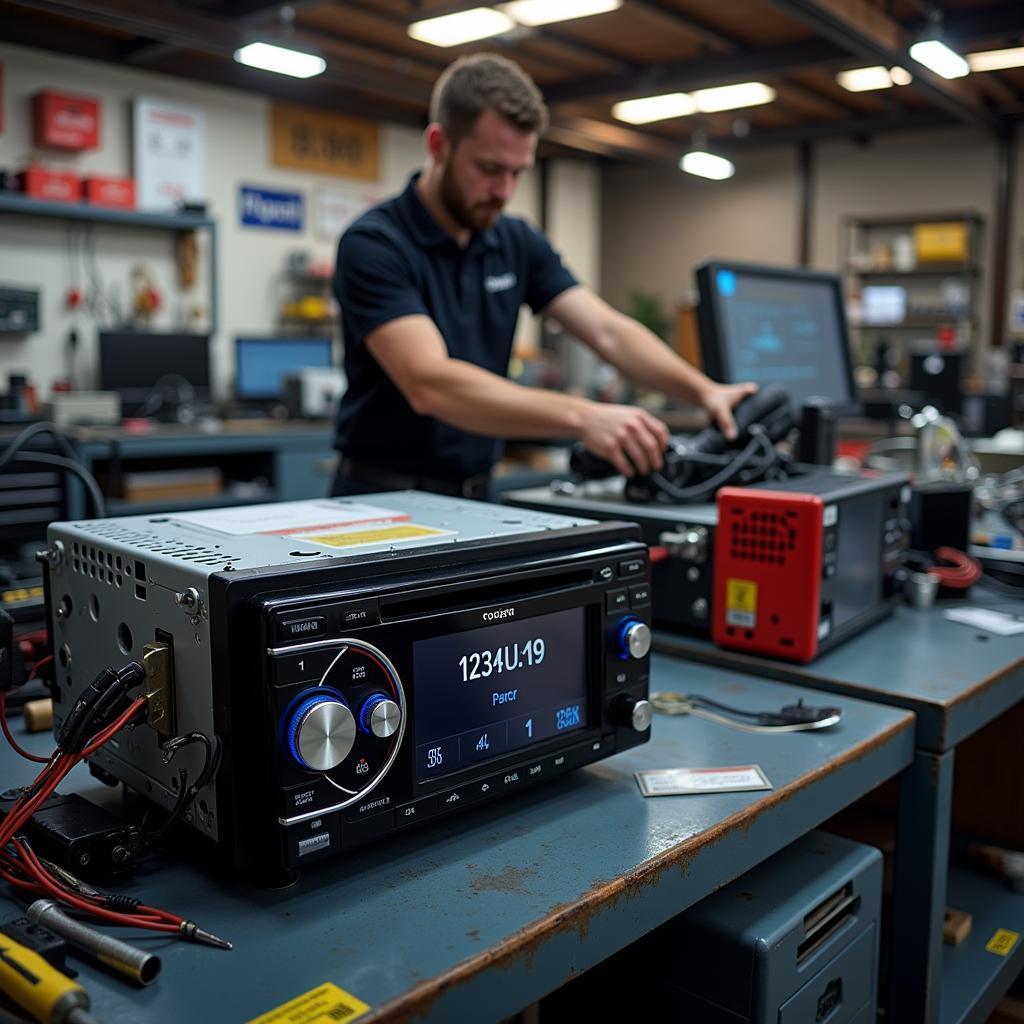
x: 741, y: 603
x: 1002, y: 942
x: 395, y: 533
x: 326, y: 1004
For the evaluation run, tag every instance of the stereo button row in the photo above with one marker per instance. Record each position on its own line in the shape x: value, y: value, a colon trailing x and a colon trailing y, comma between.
x: 326, y: 622
x: 504, y: 782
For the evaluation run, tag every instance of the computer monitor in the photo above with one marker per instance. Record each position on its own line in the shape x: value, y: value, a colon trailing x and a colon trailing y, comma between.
x: 261, y: 364
x: 776, y: 326
x: 142, y: 366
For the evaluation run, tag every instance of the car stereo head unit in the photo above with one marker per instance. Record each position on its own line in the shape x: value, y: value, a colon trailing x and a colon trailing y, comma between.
x: 366, y: 663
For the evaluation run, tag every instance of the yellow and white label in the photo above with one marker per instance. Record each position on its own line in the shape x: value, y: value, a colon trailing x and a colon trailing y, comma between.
x: 1002, y: 942
x: 741, y: 603
x: 326, y: 1004
x: 394, y: 534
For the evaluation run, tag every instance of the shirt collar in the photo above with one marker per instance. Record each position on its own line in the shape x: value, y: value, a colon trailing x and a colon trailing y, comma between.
x: 426, y: 230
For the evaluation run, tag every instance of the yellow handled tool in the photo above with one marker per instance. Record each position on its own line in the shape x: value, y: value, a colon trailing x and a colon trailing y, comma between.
x: 37, y: 988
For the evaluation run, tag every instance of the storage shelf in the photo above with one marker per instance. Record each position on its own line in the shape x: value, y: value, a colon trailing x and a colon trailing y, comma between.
x: 82, y: 211
x: 915, y: 325
x: 938, y: 270
x: 974, y: 980
x: 124, y: 507
x: 911, y: 220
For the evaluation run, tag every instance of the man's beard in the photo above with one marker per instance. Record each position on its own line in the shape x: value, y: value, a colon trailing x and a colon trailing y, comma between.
x: 476, y: 217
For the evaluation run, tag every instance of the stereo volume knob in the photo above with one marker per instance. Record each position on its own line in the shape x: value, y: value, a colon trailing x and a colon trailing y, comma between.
x: 321, y: 732
x: 380, y: 716
x: 633, y: 712
x: 634, y: 638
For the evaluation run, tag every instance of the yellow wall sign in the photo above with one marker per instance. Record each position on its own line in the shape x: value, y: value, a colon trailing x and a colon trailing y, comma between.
x: 326, y: 1004
x: 1002, y: 941
x: 314, y: 140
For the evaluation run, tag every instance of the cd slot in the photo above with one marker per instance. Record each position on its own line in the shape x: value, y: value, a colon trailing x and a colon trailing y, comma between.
x: 445, y: 599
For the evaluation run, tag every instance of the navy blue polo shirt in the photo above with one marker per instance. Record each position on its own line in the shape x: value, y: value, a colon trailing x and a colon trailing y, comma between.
x: 396, y: 261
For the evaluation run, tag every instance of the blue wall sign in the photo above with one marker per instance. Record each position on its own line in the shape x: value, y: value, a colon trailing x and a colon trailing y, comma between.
x: 259, y: 208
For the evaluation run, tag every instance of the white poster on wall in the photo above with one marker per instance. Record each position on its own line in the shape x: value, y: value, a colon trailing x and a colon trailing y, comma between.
x: 335, y: 207
x: 170, y: 154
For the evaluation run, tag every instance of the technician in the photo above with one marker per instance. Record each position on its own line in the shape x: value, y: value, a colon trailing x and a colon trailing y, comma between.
x: 430, y: 285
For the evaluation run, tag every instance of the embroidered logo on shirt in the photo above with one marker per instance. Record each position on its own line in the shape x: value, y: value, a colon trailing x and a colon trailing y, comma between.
x: 500, y: 282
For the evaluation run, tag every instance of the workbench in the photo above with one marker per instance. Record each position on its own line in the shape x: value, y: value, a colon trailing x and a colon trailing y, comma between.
x: 260, y: 460
x: 956, y: 679
x: 477, y: 917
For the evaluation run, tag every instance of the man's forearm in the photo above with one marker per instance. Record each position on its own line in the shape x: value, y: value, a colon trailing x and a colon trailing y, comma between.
x: 646, y: 360
x: 478, y: 401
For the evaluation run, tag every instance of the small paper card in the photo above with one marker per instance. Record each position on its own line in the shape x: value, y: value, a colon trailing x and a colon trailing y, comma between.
x: 676, y: 781
x: 1000, y: 623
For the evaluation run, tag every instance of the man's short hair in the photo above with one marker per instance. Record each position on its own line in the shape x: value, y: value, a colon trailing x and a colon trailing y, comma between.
x: 475, y: 83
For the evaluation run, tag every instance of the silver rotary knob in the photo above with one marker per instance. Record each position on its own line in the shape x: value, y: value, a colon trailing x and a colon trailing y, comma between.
x: 633, y: 712
x: 380, y: 716
x: 641, y: 716
x: 322, y: 733
x: 634, y: 639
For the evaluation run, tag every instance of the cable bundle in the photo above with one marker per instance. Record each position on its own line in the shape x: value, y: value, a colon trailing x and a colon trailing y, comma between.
x: 102, y: 711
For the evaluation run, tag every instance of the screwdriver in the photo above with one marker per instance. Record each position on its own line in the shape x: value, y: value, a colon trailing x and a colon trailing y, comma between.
x: 39, y: 989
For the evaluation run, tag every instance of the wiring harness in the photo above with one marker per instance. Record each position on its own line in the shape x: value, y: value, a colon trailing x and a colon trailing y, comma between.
x: 103, y: 710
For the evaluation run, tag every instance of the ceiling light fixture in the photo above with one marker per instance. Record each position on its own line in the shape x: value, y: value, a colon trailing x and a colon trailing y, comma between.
x: 544, y: 12
x: 870, y: 79
x: 281, y: 59
x: 996, y: 60
x: 654, y: 108
x: 707, y: 165
x: 932, y: 50
x: 732, y: 97
x: 937, y: 56
x: 461, y: 27
x: 704, y: 101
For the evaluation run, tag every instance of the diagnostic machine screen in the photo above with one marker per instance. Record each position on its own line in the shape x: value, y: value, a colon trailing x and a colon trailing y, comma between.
x: 784, y: 331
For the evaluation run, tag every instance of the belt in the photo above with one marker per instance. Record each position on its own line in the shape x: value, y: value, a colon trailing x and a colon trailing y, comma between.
x: 476, y: 486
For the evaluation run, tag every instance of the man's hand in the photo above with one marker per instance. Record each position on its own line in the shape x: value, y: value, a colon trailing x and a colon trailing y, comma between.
x: 631, y: 439
x: 721, y: 399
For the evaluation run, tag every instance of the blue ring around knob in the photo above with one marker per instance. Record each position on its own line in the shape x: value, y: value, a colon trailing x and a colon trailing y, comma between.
x: 620, y: 636
x: 368, y: 705
x: 296, y: 717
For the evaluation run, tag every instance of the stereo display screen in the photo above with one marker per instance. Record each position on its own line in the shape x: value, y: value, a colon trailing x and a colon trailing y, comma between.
x: 487, y: 691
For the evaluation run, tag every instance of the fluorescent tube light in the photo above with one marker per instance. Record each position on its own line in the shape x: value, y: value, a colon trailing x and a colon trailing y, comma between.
x: 707, y: 165
x: 732, y: 97
x: 865, y: 79
x: 543, y: 12
x: 461, y: 27
x: 870, y: 79
x: 654, y: 108
x: 937, y: 56
x: 996, y: 60
x: 284, y: 61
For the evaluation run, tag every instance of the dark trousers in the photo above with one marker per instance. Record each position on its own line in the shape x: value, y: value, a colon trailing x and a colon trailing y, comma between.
x: 358, y: 478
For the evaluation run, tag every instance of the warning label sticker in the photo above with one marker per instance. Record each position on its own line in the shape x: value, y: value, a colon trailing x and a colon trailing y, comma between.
x: 741, y: 603
x: 1002, y: 941
x: 398, y: 533
x: 326, y: 1004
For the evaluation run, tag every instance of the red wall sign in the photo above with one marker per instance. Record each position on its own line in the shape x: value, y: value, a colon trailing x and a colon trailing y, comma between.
x: 65, y: 122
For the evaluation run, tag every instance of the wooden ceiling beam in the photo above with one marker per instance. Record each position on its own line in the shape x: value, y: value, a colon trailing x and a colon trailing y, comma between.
x: 870, y: 34
x: 698, y: 74
x: 618, y: 137
x: 199, y: 32
x: 614, y: 64
x: 864, y: 128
